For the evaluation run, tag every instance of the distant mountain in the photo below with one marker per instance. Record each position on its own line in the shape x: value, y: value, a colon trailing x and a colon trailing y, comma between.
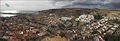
x: 79, y: 11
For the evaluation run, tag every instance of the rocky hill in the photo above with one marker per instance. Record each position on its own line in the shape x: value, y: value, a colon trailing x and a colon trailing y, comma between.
x: 79, y: 11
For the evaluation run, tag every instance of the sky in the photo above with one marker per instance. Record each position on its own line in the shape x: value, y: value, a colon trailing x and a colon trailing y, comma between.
x: 52, y: 4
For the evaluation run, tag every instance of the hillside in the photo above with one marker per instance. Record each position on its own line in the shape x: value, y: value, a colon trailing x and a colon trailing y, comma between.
x: 65, y: 24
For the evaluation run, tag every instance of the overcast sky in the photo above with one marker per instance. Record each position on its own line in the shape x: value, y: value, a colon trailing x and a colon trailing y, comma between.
x: 50, y: 4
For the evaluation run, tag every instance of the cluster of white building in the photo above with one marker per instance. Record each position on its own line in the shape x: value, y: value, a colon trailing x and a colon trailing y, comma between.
x: 85, y: 18
x: 65, y: 18
x: 112, y: 18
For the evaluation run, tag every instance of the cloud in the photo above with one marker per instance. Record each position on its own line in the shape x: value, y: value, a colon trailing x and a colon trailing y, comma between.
x: 26, y: 5
x: 50, y: 4
x: 102, y: 4
x: 115, y: 4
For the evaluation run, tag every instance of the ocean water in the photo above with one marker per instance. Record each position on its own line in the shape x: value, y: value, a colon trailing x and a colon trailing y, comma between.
x: 17, y: 11
x: 29, y: 12
x: 7, y: 15
x: 10, y: 13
